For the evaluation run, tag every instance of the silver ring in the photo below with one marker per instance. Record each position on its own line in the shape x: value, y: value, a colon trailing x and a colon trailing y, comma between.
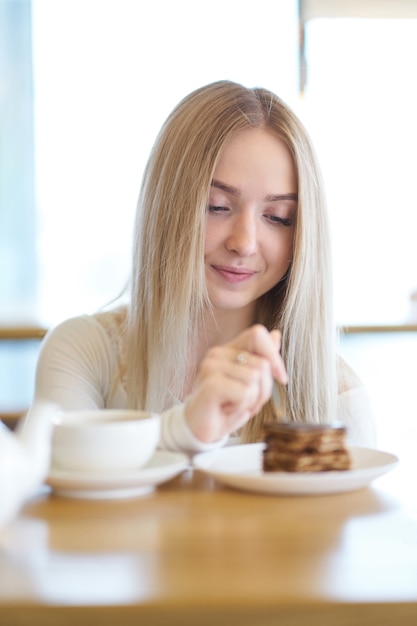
x: 242, y: 358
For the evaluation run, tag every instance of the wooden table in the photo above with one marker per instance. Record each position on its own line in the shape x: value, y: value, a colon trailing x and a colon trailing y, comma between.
x: 194, y: 553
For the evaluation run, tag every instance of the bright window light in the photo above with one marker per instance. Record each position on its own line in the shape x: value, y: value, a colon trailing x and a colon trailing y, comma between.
x: 106, y: 74
x: 360, y: 106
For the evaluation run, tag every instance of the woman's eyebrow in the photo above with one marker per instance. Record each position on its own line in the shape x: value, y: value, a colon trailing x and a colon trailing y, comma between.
x: 282, y: 196
x: 227, y: 188
x: 270, y: 198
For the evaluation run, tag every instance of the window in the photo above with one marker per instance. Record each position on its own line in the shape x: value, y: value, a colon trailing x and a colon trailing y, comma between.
x: 105, y: 75
x: 87, y: 84
x: 360, y: 103
x: 17, y: 201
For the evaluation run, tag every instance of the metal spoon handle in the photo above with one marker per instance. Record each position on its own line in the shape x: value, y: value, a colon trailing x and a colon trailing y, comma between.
x: 277, y: 402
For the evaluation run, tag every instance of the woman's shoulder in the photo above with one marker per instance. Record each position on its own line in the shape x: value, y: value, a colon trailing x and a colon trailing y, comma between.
x: 79, y: 363
x: 347, y: 377
x: 89, y: 343
x: 99, y: 333
x: 111, y: 322
x: 354, y: 406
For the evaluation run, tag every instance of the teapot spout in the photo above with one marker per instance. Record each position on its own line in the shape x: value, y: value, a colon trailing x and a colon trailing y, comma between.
x: 24, y: 459
x: 34, y: 433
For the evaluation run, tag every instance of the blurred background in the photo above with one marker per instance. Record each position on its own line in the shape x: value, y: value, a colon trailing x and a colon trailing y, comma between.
x: 85, y: 86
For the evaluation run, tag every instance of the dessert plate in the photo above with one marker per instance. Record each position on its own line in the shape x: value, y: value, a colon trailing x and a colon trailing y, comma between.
x: 162, y: 467
x: 240, y: 467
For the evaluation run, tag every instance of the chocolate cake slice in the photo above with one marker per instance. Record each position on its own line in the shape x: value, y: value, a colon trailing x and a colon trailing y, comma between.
x: 295, y: 447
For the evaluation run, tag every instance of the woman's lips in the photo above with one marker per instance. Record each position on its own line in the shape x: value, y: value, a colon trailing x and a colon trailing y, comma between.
x: 233, y: 274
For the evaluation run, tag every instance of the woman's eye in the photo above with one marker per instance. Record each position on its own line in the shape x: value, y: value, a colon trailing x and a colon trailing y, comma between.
x: 280, y: 220
x: 217, y: 209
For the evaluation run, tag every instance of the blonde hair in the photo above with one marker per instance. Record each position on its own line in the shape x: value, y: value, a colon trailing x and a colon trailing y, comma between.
x: 168, y: 293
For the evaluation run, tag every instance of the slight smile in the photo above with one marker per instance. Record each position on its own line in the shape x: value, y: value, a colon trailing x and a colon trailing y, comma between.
x: 234, y: 274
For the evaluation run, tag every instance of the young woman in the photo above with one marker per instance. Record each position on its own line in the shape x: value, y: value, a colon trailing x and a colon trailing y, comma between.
x: 231, y: 279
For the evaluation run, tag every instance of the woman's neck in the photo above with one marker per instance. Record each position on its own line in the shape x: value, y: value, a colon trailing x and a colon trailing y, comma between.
x: 225, y: 325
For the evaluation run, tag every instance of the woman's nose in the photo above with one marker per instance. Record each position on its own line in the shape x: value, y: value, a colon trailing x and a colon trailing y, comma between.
x: 243, y: 238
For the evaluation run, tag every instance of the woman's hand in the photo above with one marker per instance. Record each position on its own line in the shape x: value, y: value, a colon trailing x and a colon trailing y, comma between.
x: 234, y: 382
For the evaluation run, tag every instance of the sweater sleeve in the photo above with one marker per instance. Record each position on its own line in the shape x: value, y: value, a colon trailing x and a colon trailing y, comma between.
x: 176, y: 434
x: 78, y: 366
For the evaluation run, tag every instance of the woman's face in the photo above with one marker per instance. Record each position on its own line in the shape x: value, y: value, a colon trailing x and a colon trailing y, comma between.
x: 250, y: 219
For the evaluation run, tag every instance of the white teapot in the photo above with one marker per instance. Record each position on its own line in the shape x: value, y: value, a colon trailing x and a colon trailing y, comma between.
x: 24, y: 459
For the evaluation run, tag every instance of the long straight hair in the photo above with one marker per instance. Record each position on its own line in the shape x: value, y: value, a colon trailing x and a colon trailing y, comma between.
x: 168, y: 293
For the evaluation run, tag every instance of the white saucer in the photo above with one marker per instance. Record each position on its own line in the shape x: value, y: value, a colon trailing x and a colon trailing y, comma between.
x: 162, y: 467
x: 241, y: 467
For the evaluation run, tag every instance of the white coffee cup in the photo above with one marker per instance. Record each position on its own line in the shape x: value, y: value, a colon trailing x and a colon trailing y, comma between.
x: 104, y: 440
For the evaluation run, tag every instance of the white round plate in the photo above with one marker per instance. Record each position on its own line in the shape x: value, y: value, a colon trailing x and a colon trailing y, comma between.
x: 241, y: 467
x: 162, y: 467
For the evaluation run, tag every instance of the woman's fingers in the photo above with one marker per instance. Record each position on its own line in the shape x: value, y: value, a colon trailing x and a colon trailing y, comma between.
x: 281, y: 372
x: 251, y: 367
x: 242, y: 365
x: 234, y: 382
x: 220, y: 405
x: 259, y: 341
